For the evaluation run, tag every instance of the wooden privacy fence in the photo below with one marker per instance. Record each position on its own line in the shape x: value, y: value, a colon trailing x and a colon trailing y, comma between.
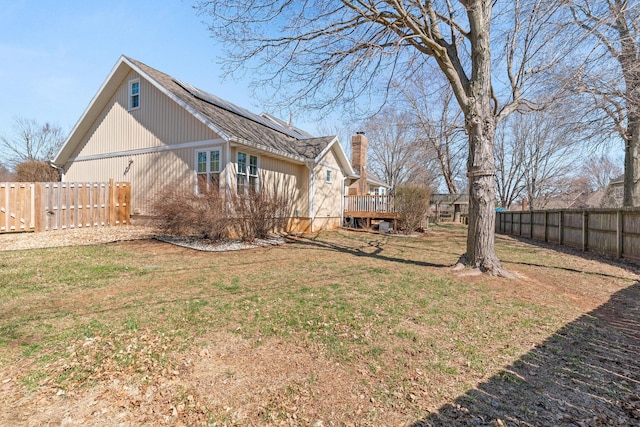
x: 610, y: 232
x: 370, y: 203
x: 43, y: 206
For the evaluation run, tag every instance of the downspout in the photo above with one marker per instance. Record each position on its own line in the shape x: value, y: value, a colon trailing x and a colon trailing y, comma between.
x: 342, y: 204
x: 227, y: 169
x: 312, y: 214
x: 60, y: 168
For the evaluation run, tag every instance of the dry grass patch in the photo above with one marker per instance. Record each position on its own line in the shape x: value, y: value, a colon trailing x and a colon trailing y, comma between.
x: 339, y: 328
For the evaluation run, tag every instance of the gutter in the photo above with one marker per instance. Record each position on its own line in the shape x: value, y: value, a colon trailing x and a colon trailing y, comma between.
x: 227, y: 169
x: 59, y: 168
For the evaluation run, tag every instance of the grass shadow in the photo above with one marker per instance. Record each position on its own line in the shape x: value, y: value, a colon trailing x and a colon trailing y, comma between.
x: 585, y: 374
x: 625, y: 263
x: 376, y: 251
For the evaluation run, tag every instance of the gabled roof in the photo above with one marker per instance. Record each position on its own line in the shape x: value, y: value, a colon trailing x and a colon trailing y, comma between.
x: 617, y: 181
x: 376, y: 182
x: 231, y: 122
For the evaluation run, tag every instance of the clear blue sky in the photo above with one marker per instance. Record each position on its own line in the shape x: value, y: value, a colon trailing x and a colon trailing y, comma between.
x: 54, y: 55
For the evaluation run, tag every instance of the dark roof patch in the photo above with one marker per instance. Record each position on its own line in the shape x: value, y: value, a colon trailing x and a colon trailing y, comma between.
x: 239, y: 124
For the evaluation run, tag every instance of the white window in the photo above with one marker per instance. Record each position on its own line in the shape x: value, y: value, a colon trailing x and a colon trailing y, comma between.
x: 328, y: 176
x: 207, y: 171
x: 247, y: 177
x: 134, y: 94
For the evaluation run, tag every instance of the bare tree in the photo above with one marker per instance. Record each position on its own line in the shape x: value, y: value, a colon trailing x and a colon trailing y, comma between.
x: 326, y: 51
x: 610, y: 76
x: 393, y: 154
x: 547, y: 154
x: 510, y: 165
x: 534, y: 157
x: 600, y: 171
x: 440, y: 125
x: 5, y: 173
x: 32, y: 142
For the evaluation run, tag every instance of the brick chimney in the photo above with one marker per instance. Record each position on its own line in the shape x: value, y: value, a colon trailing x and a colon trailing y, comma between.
x: 359, y: 146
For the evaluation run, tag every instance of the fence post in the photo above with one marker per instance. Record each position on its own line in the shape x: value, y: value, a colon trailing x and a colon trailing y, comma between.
x: 519, y: 223
x: 546, y: 220
x: 585, y: 231
x: 127, y: 203
x: 112, y: 202
x: 37, y: 206
x: 531, y: 224
x: 560, y: 227
x: 619, y: 231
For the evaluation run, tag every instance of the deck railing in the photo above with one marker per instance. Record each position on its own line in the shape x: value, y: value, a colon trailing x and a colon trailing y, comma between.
x: 369, y: 203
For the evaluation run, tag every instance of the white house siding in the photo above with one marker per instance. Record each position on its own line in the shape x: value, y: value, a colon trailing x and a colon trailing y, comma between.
x: 159, y: 121
x: 117, y: 133
x: 327, y: 202
x: 174, y: 166
x: 290, y: 177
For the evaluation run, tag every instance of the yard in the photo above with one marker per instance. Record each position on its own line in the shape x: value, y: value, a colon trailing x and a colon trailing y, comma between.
x: 340, y: 328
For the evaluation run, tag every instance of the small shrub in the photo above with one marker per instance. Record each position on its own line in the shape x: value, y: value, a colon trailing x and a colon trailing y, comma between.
x: 183, y: 213
x: 256, y: 214
x: 412, y: 203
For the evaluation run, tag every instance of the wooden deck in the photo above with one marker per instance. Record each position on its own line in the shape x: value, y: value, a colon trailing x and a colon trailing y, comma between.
x: 370, y: 208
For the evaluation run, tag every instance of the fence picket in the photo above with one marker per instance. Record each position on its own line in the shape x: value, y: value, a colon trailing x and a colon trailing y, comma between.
x: 44, y: 206
x: 610, y: 232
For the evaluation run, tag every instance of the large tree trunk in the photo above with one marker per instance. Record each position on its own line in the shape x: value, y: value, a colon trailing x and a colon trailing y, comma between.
x: 628, y: 58
x: 481, y: 252
x: 480, y: 123
x: 631, y: 196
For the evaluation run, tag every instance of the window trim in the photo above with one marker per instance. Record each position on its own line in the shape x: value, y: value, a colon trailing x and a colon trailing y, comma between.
x: 328, y: 177
x: 247, y: 175
x: 208, y: 172
x: 132, y: 95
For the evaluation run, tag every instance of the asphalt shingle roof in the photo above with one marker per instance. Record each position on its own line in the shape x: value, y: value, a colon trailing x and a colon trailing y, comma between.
x: 239, y: 124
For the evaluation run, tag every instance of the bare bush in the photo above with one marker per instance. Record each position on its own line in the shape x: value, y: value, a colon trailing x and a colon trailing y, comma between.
x: 412, y: 203
x: 36, y: 171
x: 184, y: 213
x: 258, y: 213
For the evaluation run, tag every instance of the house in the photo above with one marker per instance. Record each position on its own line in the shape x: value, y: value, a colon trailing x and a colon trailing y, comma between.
x: 148, y: 128
x: 614, y: 194
x: 572, y: 199
x: 366, y: 201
